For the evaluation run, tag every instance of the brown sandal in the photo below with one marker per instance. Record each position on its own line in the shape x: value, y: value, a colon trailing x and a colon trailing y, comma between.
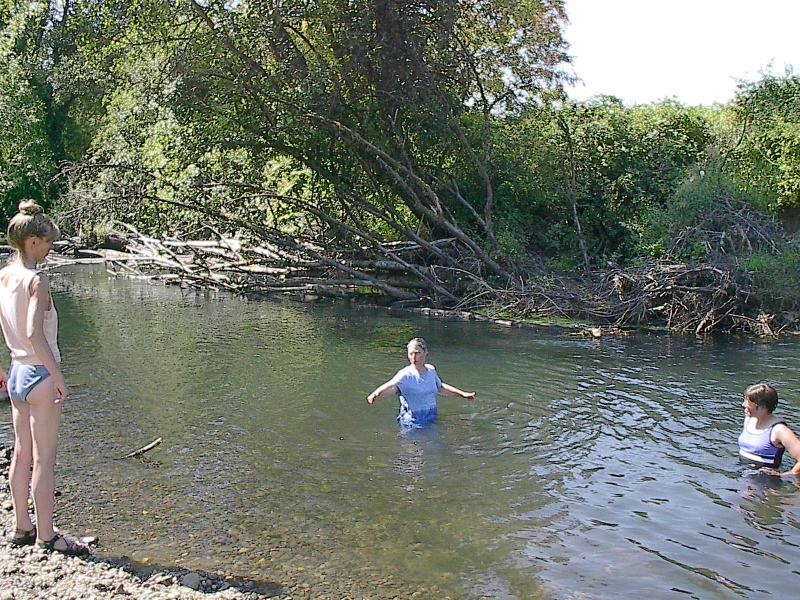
x: 72, y: 545
x: 23, y: 538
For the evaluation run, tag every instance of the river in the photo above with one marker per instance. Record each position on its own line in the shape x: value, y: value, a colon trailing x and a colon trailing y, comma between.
x: 585, y: 468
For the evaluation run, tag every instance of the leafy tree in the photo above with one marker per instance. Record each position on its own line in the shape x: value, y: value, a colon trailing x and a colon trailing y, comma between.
x: 379, y: 106
x: 766, y: 157
x: 26, y: 160
x: 599, y: 166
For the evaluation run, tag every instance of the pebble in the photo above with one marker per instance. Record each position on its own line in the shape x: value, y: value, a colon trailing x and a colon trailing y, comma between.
x: 191, y: 580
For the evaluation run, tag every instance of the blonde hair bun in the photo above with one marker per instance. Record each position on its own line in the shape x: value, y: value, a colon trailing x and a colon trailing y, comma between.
x: 30, y: 207
x: 30, y: 221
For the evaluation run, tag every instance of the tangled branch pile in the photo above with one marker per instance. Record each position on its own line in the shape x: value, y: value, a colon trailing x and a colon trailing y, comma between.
x: 702, y: 284
x: 715, y: 293
x: 402, y: 272
x: 725, y: 232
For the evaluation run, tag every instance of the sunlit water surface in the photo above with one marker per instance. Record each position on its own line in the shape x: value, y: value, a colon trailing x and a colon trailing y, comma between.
x: 585, y: 469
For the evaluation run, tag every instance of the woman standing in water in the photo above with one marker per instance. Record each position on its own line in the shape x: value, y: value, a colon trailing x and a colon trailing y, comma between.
x: 764, y: 436
x: 417, y: 385
x: 35, y: 383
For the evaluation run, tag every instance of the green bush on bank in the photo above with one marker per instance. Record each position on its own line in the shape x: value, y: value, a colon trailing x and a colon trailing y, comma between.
x: 775, y: 278
x: 711, y: 220
x: 620, y: 165
x: 700, y: 191
x: 765, y: 160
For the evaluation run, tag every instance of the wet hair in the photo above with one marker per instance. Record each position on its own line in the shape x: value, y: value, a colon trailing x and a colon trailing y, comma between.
x: 30, y: 221
x: 418, y: 343
x: 762, y: 394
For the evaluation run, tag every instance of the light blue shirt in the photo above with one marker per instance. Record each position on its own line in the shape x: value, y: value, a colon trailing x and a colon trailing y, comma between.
x: 417, y: 394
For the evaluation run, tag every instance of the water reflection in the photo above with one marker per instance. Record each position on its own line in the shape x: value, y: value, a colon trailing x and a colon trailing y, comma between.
x: 597, y: 468
x: 420, y: 450
x: 766, y: 501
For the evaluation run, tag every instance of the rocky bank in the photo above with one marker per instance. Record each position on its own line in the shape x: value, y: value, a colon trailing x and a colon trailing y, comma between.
x: 28, y: 573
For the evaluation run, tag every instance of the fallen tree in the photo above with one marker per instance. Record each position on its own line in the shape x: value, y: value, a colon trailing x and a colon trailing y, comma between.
x: 676, y: 296
x: 720, y: 270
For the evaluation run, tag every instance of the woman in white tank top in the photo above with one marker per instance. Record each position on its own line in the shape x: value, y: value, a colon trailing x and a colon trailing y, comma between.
x: 34, y: 382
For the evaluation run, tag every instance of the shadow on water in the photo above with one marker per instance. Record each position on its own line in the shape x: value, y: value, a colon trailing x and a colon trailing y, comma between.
x: 208, y: 583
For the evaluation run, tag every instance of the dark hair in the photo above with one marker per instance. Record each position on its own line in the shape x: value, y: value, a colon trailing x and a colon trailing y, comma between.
x: 762, y: 394
x: 30, y: 221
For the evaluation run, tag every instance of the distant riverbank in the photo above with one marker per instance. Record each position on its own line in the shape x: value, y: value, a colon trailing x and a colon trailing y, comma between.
x: 666, y: 296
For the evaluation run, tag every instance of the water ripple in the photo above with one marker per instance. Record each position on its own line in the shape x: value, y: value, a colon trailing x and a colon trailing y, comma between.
x: 585, y: 468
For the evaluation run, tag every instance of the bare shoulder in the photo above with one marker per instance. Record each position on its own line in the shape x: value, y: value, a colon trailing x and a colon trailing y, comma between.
x: 783, y: 434
x: 781, y: 427
x: 5, y: 274
x: 39, y: 284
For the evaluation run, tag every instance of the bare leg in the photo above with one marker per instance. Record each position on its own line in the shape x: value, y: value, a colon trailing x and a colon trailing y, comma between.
x: 45, y: 415
x: 19, y: 474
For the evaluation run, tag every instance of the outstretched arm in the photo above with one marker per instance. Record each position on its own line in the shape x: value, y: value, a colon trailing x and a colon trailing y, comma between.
x: 386, y: 389
x: 450, y: 390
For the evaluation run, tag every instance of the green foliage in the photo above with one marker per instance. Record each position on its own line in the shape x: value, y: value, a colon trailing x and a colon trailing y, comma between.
x: 626, y: 162
x: 766, y: 158
x: 26, y: 160
x: 775, y: 277
x: 711, y: 220
x: 92, y: 233
x: 327, y: 94
x: 387, y: 117
x: 5, y: 12
x: 698, y: 193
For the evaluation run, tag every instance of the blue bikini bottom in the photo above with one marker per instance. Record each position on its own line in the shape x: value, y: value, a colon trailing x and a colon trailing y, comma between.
x: 23, y: 378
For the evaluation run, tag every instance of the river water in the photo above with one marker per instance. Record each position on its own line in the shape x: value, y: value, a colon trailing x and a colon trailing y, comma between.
x: 585, y: 469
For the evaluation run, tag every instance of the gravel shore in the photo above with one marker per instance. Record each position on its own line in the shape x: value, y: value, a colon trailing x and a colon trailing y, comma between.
x: 28, y: 573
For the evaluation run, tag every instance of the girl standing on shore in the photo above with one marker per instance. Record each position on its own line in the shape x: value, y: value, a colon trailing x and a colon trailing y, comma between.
x: 34, y: 383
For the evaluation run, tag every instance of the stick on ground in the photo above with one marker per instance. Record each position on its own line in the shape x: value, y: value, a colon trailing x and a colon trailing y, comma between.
x: 142, y: 450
